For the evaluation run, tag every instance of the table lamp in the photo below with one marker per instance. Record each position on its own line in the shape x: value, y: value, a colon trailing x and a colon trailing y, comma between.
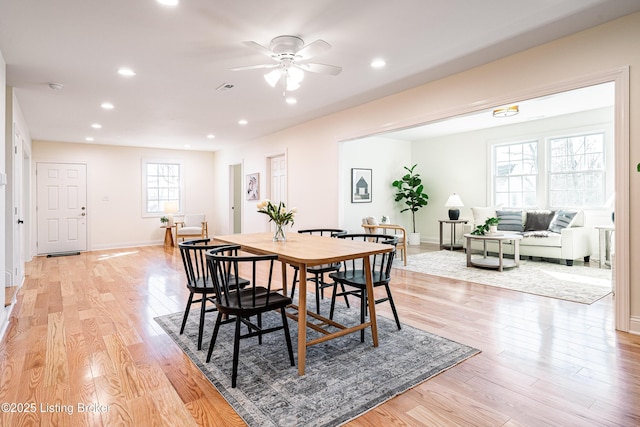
x: 170, y: 208
x: 454, y: 202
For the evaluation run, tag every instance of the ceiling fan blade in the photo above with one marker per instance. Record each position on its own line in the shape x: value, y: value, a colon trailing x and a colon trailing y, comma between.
x: 312, y: 49
x: 255, y: 67
x: 320, y: 68
x: 260, y: 48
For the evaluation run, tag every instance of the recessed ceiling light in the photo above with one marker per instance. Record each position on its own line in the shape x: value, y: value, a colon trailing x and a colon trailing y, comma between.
x: 127, y: 72
x: 243, y: 122
x: 187, y: 145
x: 291, y: 100
x: 56, y: 86
x: 96, y: 126
x: 211, y: 136
x: 89, y: 139
x: 168, y: 2
x: 378, y: 63
x: 107, y: 105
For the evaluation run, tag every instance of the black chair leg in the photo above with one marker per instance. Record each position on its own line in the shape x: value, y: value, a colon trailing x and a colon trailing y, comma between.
x: 393, y: 306
x: 333, y: 300
x: 186, y: 312
x: 317, y: 294
x: 346, y: 300
x: 203, y: 311
x: 236, y: 351
x: 363, y: 310
x: 295, y: 279
x: 287, y: 336
x: 214, y: 336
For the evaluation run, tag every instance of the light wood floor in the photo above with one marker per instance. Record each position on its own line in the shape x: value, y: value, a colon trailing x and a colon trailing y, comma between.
x: 82, y: 332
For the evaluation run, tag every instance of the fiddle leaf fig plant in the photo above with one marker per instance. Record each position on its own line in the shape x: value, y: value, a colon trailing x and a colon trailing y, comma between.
x: 411, y: 190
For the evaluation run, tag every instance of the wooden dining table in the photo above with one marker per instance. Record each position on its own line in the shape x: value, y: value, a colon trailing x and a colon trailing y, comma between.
x: 302, y: 251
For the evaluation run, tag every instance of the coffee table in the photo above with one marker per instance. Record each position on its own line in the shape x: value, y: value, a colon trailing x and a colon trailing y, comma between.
x: 494, y: 262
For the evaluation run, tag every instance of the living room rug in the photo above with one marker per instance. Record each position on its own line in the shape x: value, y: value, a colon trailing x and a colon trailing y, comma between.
x: 344, y: 378
x: 577, y: 283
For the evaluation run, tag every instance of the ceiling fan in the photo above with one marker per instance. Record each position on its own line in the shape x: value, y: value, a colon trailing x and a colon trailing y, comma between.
x: 291, y: 55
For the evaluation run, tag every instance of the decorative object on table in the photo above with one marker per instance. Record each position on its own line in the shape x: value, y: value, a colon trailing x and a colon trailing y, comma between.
x: 453, y: 203
x: 490, y: 226
x: 253, y: 186
x: 164, y: 220
x: 279, y: 216
x: 361, y: 185
x: 360, y: 375
x: 170, y: 208
x: 385, y: 220
x: 411, y: 190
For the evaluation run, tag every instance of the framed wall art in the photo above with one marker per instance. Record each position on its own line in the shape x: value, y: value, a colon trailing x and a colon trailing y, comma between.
x: 360, y: 185
x: 253, y: 186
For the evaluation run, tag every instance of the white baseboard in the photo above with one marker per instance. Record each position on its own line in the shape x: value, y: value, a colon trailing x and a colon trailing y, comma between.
x: 634, y: 325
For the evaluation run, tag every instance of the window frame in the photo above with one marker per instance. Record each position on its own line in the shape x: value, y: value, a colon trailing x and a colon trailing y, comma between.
x: 494, y: 176
x: 145, y: 179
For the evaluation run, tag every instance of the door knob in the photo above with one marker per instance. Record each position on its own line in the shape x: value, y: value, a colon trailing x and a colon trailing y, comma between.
x: 20, y: 221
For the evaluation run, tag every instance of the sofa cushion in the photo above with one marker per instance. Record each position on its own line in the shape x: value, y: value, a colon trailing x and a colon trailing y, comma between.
x: 510, y: 220
x: 481, y: 214
x: 538, y: 220
x: 562, y: 219
x: 551, y: 240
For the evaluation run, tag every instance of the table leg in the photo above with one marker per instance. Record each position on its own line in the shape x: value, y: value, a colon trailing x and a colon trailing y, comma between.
x: 302, y: 319
x: 441, y: 244
x: 468, y: 251
x: 371, y: 300
x: 500, y: 255
x: 516, y: 252
x: 168, y: 237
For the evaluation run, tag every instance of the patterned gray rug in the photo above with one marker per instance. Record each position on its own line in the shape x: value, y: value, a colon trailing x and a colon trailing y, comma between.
x: 577, y: 283
x: 344, y: 377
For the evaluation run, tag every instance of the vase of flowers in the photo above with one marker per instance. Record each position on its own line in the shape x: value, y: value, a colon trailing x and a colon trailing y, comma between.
x: 279, y: 215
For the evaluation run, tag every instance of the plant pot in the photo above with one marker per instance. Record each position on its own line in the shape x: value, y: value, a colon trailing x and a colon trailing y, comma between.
x: 414, y: 239
x: 493, y: 229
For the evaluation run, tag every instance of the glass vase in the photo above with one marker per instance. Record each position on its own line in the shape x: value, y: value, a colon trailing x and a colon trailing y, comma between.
x: 280, y: 234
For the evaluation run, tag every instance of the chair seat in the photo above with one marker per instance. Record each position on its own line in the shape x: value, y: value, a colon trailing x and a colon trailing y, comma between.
x: 357, y: 278
x: 189, y: 231
x: 247, y: 298
x: 205, y: 286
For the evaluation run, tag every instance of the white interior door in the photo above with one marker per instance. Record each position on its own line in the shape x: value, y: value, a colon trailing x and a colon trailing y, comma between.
x: 61, y: 207
x: 278, y: 190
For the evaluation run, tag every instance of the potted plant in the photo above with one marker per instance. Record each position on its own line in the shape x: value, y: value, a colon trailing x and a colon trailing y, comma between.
x: 411, y: 191
x: 164, y: 220
x: 490, y: 226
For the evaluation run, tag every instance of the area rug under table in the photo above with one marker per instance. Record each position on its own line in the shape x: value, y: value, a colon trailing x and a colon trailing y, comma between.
x: 576, y: 283
x: 344, y: 378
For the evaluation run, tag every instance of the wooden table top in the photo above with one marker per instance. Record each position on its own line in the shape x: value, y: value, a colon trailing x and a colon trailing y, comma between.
x: 306, y: 249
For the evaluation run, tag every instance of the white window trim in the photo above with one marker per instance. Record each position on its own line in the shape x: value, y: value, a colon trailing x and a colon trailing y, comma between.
x: 143, y: 180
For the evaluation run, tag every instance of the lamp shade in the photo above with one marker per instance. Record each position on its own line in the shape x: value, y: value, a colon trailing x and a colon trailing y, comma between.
x: 454, y: 201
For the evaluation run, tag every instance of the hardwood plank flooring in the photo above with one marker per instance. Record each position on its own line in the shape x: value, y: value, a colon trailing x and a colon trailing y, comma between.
x: 82, y: 332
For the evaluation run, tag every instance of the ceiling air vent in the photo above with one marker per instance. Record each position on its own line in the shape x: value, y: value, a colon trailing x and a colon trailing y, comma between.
x: 224, y: 86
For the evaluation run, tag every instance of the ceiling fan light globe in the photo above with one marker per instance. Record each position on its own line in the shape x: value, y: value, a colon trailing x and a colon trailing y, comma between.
x: 273, y: 77
x: 295, y: 74
x: 292, y: 85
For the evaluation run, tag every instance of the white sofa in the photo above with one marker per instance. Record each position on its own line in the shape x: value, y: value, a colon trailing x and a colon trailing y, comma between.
x: 568, y: 241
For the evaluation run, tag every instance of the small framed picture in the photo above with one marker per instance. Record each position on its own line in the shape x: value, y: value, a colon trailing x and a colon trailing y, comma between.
x: 360, y: 185
x: 253, y: 186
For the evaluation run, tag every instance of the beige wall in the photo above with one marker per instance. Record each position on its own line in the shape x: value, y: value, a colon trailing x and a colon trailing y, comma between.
x: 313, y: 147
x: 114, y: 188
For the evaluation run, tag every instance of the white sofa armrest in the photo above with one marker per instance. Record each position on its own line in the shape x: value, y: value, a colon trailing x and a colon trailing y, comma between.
x: 576, y: 242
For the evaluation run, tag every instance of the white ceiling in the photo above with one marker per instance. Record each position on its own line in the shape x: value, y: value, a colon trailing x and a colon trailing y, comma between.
x: 182, y: 54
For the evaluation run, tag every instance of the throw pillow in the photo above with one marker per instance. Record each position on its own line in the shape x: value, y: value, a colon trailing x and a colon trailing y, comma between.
x: 538, y: 220
x: 480, y: 215
x: 562, y: 219
x: 510, y: 220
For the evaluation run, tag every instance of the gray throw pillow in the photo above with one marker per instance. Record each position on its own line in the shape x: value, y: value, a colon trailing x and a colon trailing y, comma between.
x: 538, y: 220
x: 561, y: 220
x: 510, y: 220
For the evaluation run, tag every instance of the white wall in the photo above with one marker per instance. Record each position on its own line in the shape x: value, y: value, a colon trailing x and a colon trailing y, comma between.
x: 386, y: 158
x: 3, y: 170
x: 114, y: 189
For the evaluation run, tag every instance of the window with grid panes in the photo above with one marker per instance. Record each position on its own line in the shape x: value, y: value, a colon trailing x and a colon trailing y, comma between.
x: 577, y: 171
x: 162, y: 184
x: 515, y: 174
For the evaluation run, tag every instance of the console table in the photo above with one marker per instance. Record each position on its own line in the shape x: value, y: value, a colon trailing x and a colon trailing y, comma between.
x: 453, y: 222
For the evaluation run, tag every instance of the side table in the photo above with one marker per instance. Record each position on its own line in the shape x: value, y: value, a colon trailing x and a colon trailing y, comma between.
x: 168, y: 235
x: 604, y: 248
x: 453, y: 222
x: 492, y: 262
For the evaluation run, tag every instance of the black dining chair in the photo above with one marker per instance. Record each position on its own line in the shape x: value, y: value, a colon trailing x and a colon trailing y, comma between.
x: 224, y: 264
x: 353, y: 276
x: 193, y: 253
x: 317, y: 272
